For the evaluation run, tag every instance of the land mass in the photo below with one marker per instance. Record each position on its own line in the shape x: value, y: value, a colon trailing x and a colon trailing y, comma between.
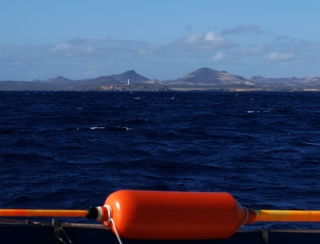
x: 203, y: 79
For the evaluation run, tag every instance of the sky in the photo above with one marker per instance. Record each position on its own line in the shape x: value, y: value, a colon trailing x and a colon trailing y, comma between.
x: 161, y: 40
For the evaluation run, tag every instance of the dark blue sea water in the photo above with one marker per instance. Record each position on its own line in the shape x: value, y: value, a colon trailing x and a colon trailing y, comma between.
x: 71, y: 150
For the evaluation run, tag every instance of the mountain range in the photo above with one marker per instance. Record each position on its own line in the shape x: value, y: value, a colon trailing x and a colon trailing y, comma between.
x: 200, y: 79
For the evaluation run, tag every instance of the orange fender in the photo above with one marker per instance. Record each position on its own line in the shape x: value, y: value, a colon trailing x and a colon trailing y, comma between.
x: 174, y: 215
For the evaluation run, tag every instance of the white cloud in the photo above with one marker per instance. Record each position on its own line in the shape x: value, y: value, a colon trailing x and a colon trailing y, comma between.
x: 210, y: 40
x: 278, y: 56
x: 70, y: 48
x: 219, y: 56
x: 201, y: 38
x: 97, y: 49
x: 213, y: 37
x: 222, y: 56
x: 194, y: 38
x: 61, y: 47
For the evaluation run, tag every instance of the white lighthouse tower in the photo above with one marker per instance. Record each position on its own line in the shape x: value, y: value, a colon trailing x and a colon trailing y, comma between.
x: 128, y: 81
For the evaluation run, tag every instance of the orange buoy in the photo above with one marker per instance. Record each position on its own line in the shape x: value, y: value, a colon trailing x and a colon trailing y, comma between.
x: 173, y: 215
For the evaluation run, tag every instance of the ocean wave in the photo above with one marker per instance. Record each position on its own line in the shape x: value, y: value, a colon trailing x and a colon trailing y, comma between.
x: 55, y: 154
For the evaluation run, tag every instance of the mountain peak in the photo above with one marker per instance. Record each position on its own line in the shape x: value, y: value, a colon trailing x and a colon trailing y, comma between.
x: 57, y: 79
x: 131, y: 75
x: 130, y: 72
x: 208, y: 76
x: 205, y: 69
x: 204, y: 72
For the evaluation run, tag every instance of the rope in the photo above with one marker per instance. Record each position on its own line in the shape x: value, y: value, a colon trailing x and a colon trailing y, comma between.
x: 112, y: 221
x: 247, y: 216
x: 57, y: 232
x: 265, y: 236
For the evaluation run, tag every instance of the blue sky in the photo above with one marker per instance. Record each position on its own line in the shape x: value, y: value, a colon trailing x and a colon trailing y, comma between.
x: 158, y: 39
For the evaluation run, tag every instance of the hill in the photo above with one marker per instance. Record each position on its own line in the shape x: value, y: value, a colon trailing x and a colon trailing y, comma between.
x: 207, y: 76
x: 200, y: 79
x: 102, y: 83
x: 131, y: 75
x: 55, y: 80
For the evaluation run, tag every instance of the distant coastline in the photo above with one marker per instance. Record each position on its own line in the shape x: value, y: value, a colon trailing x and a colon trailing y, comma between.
x: 203, y: 79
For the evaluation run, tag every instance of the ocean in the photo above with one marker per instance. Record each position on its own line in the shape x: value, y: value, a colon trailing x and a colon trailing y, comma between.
x: 70, y: 150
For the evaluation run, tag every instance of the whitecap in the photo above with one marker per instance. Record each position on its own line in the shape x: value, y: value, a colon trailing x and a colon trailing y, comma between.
x: 97, y: 128
x: 123, y: 127
x: 141, y: 119
x: 311, y: 143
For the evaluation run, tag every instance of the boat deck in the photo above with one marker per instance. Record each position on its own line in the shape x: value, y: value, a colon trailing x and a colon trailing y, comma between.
x: 45, y: 233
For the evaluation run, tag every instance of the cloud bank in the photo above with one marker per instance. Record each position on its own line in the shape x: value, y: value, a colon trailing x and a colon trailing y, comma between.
x: 84, y: 58
x: 278, y: 56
